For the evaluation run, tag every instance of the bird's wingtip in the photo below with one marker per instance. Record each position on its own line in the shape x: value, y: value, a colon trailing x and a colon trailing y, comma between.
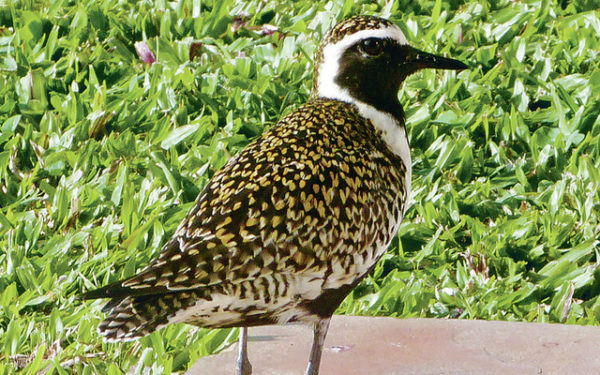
x: 112, y: 290
x: 94, y: 294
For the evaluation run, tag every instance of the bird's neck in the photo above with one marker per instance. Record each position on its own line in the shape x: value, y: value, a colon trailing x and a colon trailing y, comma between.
x: 367, y: 95
x: 383, y: 110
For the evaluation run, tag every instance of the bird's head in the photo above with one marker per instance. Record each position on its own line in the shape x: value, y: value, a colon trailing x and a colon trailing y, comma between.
x: 366, y: 59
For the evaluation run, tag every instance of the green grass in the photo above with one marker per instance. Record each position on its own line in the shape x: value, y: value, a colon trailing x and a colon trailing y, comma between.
x: 102, y: 155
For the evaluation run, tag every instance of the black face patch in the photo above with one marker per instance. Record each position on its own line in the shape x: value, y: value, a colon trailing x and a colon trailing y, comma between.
x: 372, y: 71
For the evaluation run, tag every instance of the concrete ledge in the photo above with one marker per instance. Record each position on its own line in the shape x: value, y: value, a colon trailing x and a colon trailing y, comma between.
x: 388, y: 346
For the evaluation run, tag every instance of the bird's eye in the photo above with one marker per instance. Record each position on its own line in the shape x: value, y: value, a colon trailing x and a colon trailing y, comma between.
x: 371, y: 47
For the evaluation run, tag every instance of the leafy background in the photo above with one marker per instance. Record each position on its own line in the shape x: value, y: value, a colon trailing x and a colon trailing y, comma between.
x: 101, y: 156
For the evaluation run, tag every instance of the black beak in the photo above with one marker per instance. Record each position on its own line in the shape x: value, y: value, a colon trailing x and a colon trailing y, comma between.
x: 424, y: 60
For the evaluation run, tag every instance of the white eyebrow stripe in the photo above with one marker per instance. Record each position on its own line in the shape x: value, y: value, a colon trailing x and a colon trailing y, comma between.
x: 392, y: 32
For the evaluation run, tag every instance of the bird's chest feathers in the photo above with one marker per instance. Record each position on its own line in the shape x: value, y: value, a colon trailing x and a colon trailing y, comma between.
x: 393, y: 135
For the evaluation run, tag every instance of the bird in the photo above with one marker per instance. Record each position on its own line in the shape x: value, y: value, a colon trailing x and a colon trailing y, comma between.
x: 293, y: 222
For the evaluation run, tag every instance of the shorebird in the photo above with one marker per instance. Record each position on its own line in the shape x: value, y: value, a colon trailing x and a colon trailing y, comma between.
x: 286, y: 229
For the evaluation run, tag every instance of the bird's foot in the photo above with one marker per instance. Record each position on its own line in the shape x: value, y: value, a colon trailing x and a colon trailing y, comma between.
x: 243, y: 367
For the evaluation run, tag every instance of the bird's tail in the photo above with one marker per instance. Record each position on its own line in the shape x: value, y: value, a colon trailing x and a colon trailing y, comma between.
x: 137, y: 316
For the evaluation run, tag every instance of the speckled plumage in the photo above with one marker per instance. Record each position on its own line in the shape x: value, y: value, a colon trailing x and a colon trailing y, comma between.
x: 305, y: 209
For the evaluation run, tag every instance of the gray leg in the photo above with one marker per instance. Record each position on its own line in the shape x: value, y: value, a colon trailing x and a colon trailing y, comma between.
x: 243, y: 366
x: 317, y: 347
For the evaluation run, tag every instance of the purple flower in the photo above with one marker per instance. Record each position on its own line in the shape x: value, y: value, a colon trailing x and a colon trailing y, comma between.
x: 144, y: 52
